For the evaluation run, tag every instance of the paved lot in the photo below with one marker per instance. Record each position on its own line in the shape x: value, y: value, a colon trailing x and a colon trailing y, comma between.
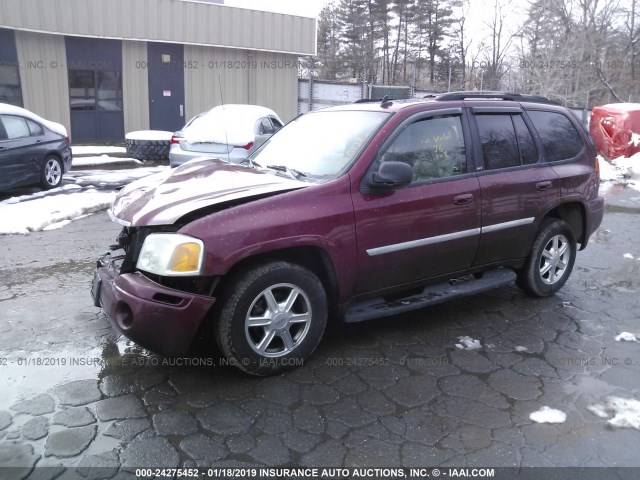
x: 387, y: 393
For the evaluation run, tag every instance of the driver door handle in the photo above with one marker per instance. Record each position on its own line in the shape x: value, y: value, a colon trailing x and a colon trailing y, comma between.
x: 464, y: 199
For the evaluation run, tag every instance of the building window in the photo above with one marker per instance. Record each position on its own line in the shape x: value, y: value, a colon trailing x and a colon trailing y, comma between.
x: 10, y: 91
x: 91, y: 90
x: 82, y: 90
x: 110, y: 91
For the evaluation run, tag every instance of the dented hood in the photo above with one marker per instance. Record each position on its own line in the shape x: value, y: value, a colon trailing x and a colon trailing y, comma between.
x: 164, y: 198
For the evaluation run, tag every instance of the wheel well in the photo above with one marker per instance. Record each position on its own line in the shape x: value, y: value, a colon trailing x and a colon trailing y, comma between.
x: 573, y: 213
x: 313, y: 258
x: 53, y: 153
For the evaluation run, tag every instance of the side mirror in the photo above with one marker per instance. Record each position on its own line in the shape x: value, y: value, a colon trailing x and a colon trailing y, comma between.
x: 392, y: 174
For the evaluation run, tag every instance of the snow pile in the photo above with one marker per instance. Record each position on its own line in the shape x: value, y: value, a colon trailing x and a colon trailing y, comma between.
x: 548, y: 415
x: 626, y: 412
x: 95, y: 150
x: 39, y: 213
x: 626, y: 337
x: 468, y: 343
x: 102, y: 160
x: 150, y: 135
x: 621, y: 170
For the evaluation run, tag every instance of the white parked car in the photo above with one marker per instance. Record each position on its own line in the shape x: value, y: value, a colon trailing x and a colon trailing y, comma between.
x: 228, y: 132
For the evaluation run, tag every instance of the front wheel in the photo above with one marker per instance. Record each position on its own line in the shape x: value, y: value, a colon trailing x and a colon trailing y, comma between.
x: 51, y: 175
x: 271, y: 317
x: 551, y: 260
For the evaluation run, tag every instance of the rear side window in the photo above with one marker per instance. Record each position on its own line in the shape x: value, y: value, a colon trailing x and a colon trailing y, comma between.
x: 265, y: 126
x: 35, y: 129
x: 498, y: 138
x: 560, y: 139
x: 16, y: 127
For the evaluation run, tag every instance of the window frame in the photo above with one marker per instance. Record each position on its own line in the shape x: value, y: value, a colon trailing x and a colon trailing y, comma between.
x: 410, y: 120
x: 7, y: 133
x: 541, y: 153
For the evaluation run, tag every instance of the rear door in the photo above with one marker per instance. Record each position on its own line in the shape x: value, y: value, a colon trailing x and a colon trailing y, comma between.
x: 517, y: 186
x: 430, y: 227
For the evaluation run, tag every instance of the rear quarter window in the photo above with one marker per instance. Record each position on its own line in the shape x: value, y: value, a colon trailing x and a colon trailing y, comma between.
x: 560, y: 139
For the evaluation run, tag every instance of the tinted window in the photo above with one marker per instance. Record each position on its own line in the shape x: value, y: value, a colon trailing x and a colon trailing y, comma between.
x: 35, y: 129
x: 276, y: 124
x: 16, y: 127
x: 498, y: 138
x: 434, y: 148
x: 560, y: 139
x: 82, y: 89
x: 528, y: 150
x: 265, y: 126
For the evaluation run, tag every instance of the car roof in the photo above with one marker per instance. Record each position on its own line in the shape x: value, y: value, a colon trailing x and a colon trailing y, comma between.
x: 252, y: 111
x: 6, y: 109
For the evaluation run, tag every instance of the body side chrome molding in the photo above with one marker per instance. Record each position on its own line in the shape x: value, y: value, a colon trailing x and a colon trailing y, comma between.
x: 373, y: 252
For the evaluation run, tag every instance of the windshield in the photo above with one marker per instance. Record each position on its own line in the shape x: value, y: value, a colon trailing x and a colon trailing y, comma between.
x: 320, y: 144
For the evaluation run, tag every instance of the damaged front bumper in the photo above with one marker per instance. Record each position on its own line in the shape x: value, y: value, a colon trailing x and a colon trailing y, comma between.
x: 158, y: 318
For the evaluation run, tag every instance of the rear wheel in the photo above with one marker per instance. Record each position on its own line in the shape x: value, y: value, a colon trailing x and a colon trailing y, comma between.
x: 271, y: 318
x: 551, y: 260
x: 51, y: 175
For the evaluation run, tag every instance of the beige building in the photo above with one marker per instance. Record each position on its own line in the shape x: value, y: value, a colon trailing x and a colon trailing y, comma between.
x: 106, y: 67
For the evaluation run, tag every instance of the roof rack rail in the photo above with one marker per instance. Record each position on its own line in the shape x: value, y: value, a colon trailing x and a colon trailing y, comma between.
x: 369, y: 100
x: 516, y: 97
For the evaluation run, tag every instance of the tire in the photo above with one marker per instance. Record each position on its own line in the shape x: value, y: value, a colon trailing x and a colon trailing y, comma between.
x: 273, y: 343
x: 148, y: 149
x: 550, y: 263
x: 51, y: 173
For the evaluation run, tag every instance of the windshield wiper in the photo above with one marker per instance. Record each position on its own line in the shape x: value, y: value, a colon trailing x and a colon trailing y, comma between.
x: 293, y: 173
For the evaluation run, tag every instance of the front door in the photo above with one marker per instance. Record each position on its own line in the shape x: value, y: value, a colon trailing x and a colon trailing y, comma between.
x: 166, y: 86
x: 430, y: 227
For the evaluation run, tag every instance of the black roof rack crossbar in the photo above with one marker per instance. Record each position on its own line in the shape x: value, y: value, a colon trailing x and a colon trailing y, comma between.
x: 516, y: 97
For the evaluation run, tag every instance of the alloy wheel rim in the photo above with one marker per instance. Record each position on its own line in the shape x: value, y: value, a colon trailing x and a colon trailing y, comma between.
x: 554, y: 260
x: 52, y: 172
x: 278, y: 320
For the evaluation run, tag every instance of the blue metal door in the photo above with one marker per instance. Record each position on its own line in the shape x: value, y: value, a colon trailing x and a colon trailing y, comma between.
x: 166, y: 86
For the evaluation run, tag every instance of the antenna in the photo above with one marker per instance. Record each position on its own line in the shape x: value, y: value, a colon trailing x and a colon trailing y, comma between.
x: 226, y: 137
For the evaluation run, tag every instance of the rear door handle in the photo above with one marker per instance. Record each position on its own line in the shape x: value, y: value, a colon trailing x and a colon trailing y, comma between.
x: 464, y: 199
x: 542, y: 186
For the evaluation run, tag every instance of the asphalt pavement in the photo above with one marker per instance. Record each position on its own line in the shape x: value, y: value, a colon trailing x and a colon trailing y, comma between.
x: 451, y: 386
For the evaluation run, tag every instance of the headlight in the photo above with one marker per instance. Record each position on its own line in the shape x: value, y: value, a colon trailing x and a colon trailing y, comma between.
x: 171, y: 254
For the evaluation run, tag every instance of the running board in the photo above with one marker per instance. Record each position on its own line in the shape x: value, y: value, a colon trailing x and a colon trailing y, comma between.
x: 431, y: 295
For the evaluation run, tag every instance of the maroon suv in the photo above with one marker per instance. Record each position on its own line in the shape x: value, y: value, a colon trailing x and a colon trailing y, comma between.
x: 358, y: 211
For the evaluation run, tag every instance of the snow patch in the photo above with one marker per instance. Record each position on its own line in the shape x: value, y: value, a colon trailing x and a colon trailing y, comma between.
x: 635, y: 139
x: 621, y: 170
x: 51, y: 211
x: 629, y: 256
x: 626, y: 412
x: 468, y: 343
x: 626, y: 337
x: 95, y: 150
x: 150, y: 135
x: 102, y: 160
x: 520, y: 349
x: 548, y: 415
